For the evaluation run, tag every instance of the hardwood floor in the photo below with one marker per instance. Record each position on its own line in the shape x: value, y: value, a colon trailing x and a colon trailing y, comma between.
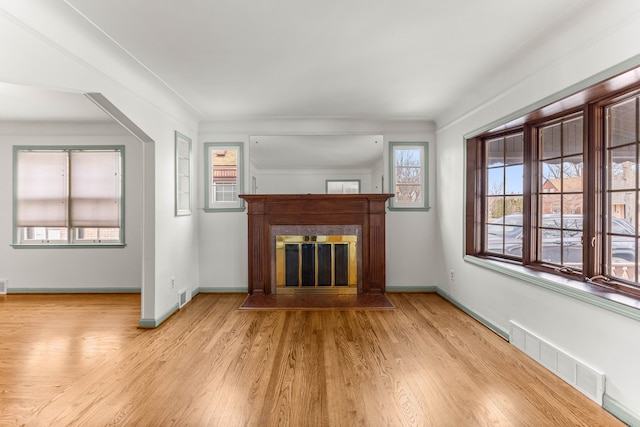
x: 81, y: 360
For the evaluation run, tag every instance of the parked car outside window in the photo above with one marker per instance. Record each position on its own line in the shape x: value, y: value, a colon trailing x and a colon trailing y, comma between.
x: 560, y: 238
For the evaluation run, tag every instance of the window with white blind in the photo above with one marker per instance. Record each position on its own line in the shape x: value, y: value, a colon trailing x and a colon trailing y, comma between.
x: 68, y: 196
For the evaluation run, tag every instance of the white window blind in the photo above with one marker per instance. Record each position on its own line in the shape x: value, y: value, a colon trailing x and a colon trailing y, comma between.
x: 95, y: 189
x: 68, y: 188
x: 42, y: 185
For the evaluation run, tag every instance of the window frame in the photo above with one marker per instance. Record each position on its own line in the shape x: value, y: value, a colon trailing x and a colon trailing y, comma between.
x: 591, y: 102
x: 422, y: 205
x: 346, y: 186
x: 563, y: 193
x: 223, y: 206
x: 504, y: 195
x: 71, y: 241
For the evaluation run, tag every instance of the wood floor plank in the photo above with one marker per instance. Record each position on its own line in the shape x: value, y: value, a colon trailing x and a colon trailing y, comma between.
x: 80, y: 360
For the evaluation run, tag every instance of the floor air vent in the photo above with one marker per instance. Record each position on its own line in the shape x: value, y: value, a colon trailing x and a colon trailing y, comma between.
x: 587, y: 380
x: 182, y: 298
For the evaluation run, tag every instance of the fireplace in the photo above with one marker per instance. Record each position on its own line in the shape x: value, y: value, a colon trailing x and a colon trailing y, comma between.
x: 324, y: 232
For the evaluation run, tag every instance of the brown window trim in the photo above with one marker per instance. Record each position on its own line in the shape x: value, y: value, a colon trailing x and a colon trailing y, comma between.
x: 590, y: 102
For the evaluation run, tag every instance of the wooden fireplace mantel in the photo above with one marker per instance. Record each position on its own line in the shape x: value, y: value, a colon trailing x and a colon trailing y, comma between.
x: 268, y: 210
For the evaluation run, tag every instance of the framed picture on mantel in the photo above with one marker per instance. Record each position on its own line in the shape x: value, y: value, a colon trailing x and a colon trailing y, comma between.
x: 343, y: 186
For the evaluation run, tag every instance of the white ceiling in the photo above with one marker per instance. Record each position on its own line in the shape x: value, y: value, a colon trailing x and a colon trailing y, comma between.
x: 330, y: 58
x: 365, y: 59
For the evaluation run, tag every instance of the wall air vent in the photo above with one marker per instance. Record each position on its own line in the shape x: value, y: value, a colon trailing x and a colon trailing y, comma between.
x: 182, y: 298
x: 585, y: 379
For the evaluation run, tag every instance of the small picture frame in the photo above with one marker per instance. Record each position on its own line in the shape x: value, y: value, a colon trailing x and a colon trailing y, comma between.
x: 183, y: 174
x: 343, y: 186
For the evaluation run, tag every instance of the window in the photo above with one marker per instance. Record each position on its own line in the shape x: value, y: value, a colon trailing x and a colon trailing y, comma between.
x: 558, y: 190
x: 68, y: 196
x: 622, y: 189
x: 561, y: 193
x: 343, y: 186
x: 224, y: 177
x: 408, y: 169
x: 504, y: 195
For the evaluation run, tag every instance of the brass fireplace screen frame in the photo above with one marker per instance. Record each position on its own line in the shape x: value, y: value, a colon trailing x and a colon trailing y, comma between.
x: 314, y: 249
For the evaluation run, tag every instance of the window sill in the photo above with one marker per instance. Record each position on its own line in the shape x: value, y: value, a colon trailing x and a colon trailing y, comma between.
x: 410, y: 208
x: 238, y: 209
x: 599, y: 296
x: 68, y: 245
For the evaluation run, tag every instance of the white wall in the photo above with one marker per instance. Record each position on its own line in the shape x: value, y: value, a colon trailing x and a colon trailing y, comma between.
x: 223, y: 244
x: 411, y: 236
x: 604, y: 340
x: 377, y: 172
x: 48, y: 45
x: 69, y: 269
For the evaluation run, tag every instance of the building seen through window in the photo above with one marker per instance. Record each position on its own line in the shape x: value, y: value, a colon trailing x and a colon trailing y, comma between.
x: 224, y: 176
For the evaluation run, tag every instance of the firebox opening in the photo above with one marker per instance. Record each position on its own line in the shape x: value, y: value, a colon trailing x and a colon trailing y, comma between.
x: 307, y: 264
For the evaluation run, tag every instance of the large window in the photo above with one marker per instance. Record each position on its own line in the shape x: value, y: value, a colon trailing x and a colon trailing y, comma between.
x: 224, y: 177
x: 68, y: 196
x: 558, y: 190
x: 408, y: 169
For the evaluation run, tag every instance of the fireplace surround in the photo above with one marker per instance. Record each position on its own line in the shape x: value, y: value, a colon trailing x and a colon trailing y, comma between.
x: 270, y: 215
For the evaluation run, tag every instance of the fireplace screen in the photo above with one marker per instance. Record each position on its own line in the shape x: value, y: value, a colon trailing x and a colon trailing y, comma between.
x: 316, y: 263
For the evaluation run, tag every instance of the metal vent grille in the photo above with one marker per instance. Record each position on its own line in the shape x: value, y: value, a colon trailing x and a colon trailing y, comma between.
x: 182, y: 298
x: 587, y: 380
